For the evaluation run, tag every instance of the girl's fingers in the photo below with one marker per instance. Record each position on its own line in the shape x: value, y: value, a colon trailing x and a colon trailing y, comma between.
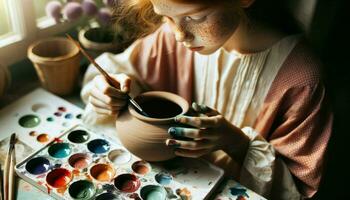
x: 123, y: 80
x: 191, y: 153
x: 194, y: 133
x: 104, y: 111
x: 105, y: 88
x: 203, y: 109
x: 190, y: 145
x: 97, y: 103
x: 200, y: 122
x: 112, y: 101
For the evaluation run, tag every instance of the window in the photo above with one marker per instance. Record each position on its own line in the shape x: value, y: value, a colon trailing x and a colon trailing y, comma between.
x: 5, y: 24
x: 21, y: 23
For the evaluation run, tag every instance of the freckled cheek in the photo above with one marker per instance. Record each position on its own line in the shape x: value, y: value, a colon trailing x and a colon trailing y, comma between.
x: 211, y: 33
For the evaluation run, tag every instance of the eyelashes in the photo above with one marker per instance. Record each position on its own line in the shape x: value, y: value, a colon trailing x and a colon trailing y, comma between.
x: 194, y: 19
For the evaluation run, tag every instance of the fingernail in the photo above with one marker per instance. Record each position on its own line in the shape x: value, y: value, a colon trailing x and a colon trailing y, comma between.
x: 172, y: 143
x: 175, y: 132
x: 195, y: 106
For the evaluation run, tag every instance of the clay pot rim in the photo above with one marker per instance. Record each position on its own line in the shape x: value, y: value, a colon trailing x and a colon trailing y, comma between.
x: 37, y: 58
x: 165, y: 95
x: 89, y: 44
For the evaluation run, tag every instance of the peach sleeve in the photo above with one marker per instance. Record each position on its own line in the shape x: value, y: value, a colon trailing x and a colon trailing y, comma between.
x: 296, y: 119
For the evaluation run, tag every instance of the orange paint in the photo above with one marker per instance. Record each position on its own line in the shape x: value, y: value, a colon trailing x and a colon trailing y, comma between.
x: 43, y: 138
x: 32, y: 133
x: 61, y: 190
x: 102, y: 172
x: 76, y: 172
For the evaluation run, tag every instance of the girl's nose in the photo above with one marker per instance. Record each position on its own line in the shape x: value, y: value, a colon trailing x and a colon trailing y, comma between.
x: 183, y: 36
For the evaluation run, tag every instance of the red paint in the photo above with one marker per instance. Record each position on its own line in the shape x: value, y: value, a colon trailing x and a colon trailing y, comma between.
x: 48, y: 188
x: 59, y: 177
x: 62, y: 109
x: 127, y: 183
x: 58, y: 140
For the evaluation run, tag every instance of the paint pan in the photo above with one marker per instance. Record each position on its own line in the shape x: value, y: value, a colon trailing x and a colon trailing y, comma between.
x: 127, y: 183
x: 141, y: 167
x: 107, y: 196
x: 153, y: 192
x: 79, y: 161
x: 82, y: 189
x: 38, y: 165
x: 43, y: 138
x: 78, y: 136
x: 119, y: 156
x: 163, y: 178
x: 59, y: 178
x: 29, y: 121
x: 98, y: 146
x: 59, y: 150
x: 102, y: 172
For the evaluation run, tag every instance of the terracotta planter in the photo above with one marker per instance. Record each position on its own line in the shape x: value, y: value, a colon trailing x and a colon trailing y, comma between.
x: 57, y: 62
x: 145, y: 136
x: 98, y: 40
x: 4, y: 79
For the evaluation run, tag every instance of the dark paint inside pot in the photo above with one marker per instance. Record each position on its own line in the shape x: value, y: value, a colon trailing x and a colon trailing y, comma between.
x: 160, y: 108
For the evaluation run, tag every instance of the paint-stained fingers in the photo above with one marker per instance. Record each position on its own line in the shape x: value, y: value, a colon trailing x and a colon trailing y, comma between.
x: 98, y: 103
x: 194, y: 133
x: 203, y: 109
x: 190, y: 145
x: 201, y: 122
x: 102, y: 85
x: 192, y: 153
x: 112, y: 101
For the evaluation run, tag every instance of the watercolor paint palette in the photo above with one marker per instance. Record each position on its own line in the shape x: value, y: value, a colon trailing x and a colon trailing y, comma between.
x: 82, y: 164
x: 38, y: 117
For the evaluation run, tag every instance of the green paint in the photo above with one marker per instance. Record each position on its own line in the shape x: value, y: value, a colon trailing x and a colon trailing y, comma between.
x: 29, y: 121
x: 153, y: 192
x: 49, y: 119
x: 59, y: 150
x: 82, y: 190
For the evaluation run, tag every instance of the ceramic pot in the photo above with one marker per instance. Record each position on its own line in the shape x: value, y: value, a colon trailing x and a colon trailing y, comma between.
x: 57, y: 63
x: 98, y: 40
x: 145, y: 136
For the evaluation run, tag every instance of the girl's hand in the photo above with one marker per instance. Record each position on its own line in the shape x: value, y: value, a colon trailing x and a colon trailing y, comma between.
x: 210, y: 132
x: 107, y: 99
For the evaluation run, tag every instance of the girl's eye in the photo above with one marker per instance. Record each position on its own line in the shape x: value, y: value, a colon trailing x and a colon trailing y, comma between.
x: 195, y: 19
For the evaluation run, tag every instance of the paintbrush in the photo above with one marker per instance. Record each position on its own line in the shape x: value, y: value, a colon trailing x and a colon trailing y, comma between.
x: 109, y: 79
x: 1, y: 186
x: 9, y: 170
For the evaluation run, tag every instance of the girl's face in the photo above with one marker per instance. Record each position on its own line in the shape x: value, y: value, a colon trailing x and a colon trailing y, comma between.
x: 200, y: 28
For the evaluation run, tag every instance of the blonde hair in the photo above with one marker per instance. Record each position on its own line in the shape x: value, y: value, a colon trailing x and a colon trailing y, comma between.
x: 135, y: 18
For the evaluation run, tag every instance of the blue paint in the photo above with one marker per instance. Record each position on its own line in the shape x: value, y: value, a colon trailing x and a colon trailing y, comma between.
x: 38, y: 165
x: 98, y: 146
x: 59, y: 150
x: 163, y: 178
x: 239, y: 192
x: 68, y: 116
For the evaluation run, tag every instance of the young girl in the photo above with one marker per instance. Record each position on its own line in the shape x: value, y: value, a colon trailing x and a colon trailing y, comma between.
x: 266, y: 120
